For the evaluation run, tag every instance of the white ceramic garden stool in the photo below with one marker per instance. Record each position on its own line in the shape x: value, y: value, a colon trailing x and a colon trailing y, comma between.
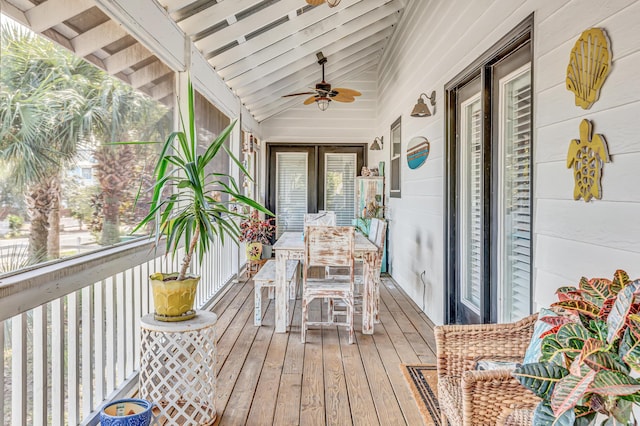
x: 178, y: 368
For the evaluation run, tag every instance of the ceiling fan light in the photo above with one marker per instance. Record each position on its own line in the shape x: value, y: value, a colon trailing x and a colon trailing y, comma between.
x: 333, y: 3
x: 323, y: 103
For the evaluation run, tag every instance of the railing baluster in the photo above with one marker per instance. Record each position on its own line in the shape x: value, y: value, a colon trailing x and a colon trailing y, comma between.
x: 87, y: 346
x: 137, y: 313
x: 99, y: 326
x: 110, y: 333
x: 144, y: 271
x: 129, y: 321
x: 40, y: 372
x: 19, y: 370
x: 73, y: 375
x: 120, y: 327
x: 57, y: 362
x: 3, y: 324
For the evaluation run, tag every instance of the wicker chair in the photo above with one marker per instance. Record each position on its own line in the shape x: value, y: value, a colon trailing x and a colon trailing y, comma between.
x: 469, y: 397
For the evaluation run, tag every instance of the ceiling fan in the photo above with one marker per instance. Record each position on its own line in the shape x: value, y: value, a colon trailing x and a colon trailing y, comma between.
x: 323, y: 93
x: 331, y: 3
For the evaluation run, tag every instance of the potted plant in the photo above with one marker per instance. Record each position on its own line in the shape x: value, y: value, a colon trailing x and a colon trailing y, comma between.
x: 187, y: 209
x: 590, y: 355
x: 256, y: 233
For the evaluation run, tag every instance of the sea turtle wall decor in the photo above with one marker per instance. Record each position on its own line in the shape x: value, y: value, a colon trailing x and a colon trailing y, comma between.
x: 589, y: 65
x: 587, y: 155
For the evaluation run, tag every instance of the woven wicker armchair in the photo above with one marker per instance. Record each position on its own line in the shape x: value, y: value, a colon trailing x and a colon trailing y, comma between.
x: 469, y: 397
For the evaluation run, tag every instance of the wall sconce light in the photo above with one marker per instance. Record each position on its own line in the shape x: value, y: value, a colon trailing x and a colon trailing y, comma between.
x: 421, y: 109
x: 377, y: 144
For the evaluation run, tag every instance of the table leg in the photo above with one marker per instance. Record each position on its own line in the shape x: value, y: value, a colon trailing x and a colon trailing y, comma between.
x: 369, y: 293
x: 282, y: 292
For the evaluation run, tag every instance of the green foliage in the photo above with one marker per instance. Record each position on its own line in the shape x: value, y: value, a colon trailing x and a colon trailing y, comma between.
x: 186, y: 204
x: 598, y: 347
x: 15, y: 224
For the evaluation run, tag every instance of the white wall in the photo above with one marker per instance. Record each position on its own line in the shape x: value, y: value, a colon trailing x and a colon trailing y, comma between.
x: 438, y: 39
x: 341, y: 123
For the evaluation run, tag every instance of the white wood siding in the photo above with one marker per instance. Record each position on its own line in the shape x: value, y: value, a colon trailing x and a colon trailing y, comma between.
x: 434, y: 42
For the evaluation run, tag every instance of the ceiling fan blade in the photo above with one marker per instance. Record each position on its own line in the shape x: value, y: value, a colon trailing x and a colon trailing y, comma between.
x: 342, y: 98
x: 310, y: 100
x: 297, y: 94
x: 348, y: 92
x: 315, y: 2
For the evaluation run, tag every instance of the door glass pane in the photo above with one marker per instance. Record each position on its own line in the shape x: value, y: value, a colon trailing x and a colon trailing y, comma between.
x: 291, y: 191
x: 339, y: 192
x: 514, y: 234
x: 471, y: 203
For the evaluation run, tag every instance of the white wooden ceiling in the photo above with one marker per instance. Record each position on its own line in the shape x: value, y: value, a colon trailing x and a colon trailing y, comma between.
x: 262, y: 49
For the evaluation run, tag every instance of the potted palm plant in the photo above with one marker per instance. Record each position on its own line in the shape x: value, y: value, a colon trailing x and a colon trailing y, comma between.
x: 187, y: 208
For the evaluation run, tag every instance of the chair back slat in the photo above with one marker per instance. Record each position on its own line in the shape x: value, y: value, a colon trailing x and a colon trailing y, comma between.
x: 329, y: 246
x: 381, y: 232
x: 327, y: 218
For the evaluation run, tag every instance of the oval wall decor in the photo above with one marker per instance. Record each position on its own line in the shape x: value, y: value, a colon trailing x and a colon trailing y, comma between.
x: 417, y: 152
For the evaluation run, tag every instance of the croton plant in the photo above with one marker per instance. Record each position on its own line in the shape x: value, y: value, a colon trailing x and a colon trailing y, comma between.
x: 590, y: 355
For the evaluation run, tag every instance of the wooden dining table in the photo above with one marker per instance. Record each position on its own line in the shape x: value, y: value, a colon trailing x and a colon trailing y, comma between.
x: 290, y: 246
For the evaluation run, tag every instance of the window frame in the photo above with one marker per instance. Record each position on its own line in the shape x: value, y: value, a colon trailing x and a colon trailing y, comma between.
x: 396, y: 126
x: 481, y: 67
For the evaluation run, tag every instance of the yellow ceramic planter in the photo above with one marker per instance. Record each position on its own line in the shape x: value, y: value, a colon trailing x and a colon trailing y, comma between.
x: 173, y: 299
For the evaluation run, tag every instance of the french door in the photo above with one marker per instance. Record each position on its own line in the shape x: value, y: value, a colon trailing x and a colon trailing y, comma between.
x: 306, y: 179
x: 489, y: 186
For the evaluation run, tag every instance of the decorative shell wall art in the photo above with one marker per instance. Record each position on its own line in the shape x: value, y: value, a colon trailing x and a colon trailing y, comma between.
x: 589, y: 65
x: 587, y: 156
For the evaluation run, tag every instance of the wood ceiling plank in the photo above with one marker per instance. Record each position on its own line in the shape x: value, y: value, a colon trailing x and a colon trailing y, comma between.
x: 296, y: 38
x: 282, y: 31
x: 97, y: 37
x: 281, y: 104
x: 215, y: 13
x: 15, y: 13
x: 282, y: 66
x: 339, y: 72
x: 310, y: 75
x: 247, y: 25
x: 162, y: 90
x: 126, y: 57
x: 50, y: 13
x: 172, y: 6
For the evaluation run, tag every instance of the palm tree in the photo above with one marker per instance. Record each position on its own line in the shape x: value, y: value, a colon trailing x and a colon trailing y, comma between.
x: 43, y: 120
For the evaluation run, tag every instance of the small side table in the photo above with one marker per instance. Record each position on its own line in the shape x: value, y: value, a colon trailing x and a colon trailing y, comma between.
x: 177, y: 368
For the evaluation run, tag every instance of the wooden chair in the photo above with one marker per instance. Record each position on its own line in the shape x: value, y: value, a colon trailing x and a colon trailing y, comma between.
x: 468, y: 397
x: 328, y: 246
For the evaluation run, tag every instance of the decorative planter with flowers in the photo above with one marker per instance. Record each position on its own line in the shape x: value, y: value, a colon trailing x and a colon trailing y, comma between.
x: 256, y: 233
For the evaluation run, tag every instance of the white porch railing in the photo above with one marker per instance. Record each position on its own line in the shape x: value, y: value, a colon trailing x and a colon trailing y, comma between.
x: 70, y: 330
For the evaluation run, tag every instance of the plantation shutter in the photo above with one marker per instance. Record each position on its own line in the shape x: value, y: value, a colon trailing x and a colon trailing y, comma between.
x: 339, y: 192
x: 472, y: 203
x: 291, y: 191
x: 515, y: 196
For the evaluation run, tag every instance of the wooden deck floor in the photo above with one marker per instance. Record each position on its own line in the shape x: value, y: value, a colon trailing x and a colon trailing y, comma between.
x: 266, y: 378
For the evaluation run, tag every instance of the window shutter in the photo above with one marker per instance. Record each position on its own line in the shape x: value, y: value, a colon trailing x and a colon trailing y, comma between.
x: 291, y: 191
x: 472, y: 202
x: 515, y: 196
x: 339, y: 187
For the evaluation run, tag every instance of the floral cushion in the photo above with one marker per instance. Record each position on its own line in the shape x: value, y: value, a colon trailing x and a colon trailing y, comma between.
x: 534, y: 351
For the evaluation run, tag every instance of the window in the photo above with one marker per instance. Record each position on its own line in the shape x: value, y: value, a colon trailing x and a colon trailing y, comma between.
x: 291, y: 191
x: 489, y: 184
x: 339, y: 188
x: 396, y: 163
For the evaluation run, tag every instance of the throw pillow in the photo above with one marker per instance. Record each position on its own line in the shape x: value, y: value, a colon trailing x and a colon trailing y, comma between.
x: 534, y: 351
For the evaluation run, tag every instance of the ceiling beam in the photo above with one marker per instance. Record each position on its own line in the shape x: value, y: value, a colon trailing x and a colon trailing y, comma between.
x: 15, y: 13
x: 271, y: 73
x: 97, y: 37
x: 280, y: 104
x: 52, y: 12
x: 337, y: 71
x: 163, y: 89
x: 247, y: 25
x: 275, y: 109
x: 295, y: 24
x: 279, y: 66
x: 146, y: 75
x: 295, y: 37
x: 126, y: 57
x: 310, y: 75
x: 215, y: 13
x: 172, y: 6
